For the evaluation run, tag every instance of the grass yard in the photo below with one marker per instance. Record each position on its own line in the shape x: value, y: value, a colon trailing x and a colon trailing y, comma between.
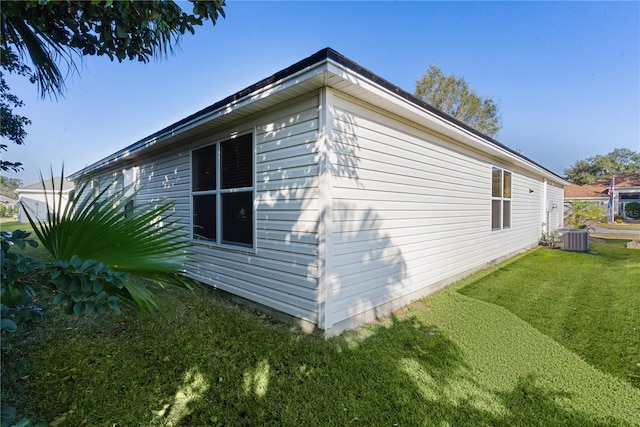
x: 590, y: 303
x: 13, y: 225
x: 451, y: 359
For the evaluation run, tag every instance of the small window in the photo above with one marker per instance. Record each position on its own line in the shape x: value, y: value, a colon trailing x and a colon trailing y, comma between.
x: 128, y: 209
x: 223, y: 193
x: 500, y: 199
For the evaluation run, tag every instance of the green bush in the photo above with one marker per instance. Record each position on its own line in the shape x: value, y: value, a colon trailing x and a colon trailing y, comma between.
x: 578, y: 213
x: 632, y: 210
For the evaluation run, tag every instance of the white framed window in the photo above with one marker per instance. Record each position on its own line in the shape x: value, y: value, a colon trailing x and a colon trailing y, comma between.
x: 222, y: 192
x: 500, y: 199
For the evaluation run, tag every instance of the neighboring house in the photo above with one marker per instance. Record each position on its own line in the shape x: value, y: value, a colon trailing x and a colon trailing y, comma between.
x: 626, y: 190
x: 39, y: 200
x: 7, y: 201
x: 326, y: 193
x: 7, y: 206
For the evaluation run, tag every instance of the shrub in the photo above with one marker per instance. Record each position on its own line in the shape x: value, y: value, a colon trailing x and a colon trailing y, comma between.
x: 578, y: 212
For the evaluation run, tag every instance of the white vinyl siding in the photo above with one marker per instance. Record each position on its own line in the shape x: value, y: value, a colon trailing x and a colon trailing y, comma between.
x: 411, y: 210
x: 281, y: 271
x: 387, y: 209
x: 500, y: 198
x: 555, y: 205
x: 362, y: 199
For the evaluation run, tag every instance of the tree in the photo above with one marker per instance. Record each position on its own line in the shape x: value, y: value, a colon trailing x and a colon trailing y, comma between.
x: 12, y: 125
x: 453, y: 96
x: 620, y: 160
x: 47, y: 33
x: 9, y: 185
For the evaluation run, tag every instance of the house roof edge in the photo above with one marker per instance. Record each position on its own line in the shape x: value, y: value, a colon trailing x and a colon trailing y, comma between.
x: 318, y: 57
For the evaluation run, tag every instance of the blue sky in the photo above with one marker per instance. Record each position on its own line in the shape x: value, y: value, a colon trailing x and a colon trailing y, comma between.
x: 565, y: 74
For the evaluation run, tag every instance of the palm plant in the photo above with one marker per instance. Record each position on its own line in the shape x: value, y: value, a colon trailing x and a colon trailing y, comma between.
x: 92, y: 227
x: 578, y: 212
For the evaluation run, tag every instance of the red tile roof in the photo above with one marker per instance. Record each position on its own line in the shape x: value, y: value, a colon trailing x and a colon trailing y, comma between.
x: 599, y: 188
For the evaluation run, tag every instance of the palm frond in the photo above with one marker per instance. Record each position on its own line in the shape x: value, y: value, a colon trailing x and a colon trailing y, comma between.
x: 145, y: 243
x: 43, y: 52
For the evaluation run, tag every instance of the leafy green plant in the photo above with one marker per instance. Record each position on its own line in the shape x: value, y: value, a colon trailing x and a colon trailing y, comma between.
x: 578, y: 212
x: 95, y: 227
x: 22, y: 278
x: 548, y: 239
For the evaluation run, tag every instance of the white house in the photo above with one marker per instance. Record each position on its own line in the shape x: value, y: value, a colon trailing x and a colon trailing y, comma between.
x: 328, y: 194
x: 39, y: 200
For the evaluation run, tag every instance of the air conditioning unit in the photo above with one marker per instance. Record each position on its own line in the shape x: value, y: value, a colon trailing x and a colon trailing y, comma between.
x: 575, y: 241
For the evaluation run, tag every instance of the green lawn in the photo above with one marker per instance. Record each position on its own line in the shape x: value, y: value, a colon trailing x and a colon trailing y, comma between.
x: 450, y: 359
x: 38, y: 252
x: 14, y: 225
x: 590, y: 303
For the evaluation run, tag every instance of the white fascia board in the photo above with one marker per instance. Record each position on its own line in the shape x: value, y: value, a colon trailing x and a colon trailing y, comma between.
x: 421, y: 115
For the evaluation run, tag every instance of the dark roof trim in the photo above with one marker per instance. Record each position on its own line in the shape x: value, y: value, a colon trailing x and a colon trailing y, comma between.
x: 321, y: 55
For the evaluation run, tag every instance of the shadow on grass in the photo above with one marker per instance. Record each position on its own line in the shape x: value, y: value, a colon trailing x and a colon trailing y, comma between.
x: 229, y: 369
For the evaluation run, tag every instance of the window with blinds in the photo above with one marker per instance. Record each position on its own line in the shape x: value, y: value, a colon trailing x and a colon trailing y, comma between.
x: 222, y: 192
x: 500, y: 199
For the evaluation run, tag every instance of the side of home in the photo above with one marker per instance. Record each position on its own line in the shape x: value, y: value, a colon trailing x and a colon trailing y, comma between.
x: 41, y: 200
x: 414, y: 210
x: 278, y: 268
x: 329, y: 195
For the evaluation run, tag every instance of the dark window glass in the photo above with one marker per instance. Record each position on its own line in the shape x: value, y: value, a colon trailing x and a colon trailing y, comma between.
x: 204, y: 169
x: 237, y: 218
x: 128, y: 209
x: 495, y: 214
x: 506, y: 214
x: 204, y: 217
x: 236, y: 160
